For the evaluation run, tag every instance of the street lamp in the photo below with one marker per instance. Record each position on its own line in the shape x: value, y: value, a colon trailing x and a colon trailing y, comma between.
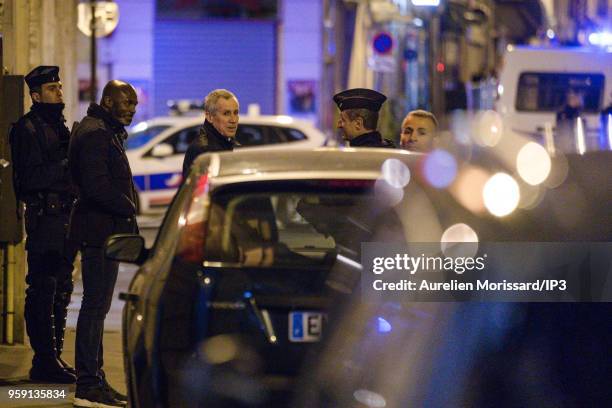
x: 97, y: 19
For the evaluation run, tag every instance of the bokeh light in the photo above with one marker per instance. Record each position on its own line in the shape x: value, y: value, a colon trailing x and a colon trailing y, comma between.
x: 440, y: 168
x: 370, y: 399
x: 558, y: 172
x: 459, y: 240
x: 501, y: 194
x: 396, y: 173
x: 488, y: 128
x: 531, y: 196
x: 533, y: 163
x: 467, y: 188
x: 387, y: 194
x: 219, y: 349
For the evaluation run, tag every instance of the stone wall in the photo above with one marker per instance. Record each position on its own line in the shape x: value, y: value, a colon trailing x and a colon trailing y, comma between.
x: 42, y: 32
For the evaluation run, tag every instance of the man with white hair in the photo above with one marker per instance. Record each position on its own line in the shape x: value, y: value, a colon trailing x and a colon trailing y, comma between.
x: 219, y: 129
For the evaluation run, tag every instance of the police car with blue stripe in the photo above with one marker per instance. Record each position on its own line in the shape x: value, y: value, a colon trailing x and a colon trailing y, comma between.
x: 156, y: 148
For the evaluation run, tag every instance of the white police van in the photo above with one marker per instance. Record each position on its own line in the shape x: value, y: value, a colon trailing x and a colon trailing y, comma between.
x: 156, y: 148
x: 533, y: 83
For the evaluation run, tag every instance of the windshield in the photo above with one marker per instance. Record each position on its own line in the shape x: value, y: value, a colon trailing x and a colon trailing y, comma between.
x: 311, y: 237
x: 141, y: 138
x: 289, y: 229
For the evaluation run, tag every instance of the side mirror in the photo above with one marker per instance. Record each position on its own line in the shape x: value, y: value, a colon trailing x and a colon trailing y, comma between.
x: 128, y: 248
x: 162, y: 150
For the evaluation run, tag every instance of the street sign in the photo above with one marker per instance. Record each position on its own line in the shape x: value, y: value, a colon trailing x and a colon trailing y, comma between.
x: 382, y: 43
x: 410, y: 54
x: 382, y: 63
x: 106, y: 18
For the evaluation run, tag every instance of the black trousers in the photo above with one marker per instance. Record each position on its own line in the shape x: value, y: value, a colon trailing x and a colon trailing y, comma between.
x: 47, y: 297
x: 99, y: 278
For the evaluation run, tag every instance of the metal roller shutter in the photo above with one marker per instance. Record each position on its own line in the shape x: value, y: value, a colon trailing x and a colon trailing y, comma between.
x: 191, y: 58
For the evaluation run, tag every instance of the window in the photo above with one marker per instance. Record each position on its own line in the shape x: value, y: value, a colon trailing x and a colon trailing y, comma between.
x: 297, y: 231
x: 546, y: 92
x: 292, y: 135
x: 141, y: 138
x: 249, y: 135
x: 259, y: 135
x: 181, y: 140
x: 297, y: 228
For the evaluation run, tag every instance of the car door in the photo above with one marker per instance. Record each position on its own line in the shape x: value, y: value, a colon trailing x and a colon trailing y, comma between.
x: 140, y: 313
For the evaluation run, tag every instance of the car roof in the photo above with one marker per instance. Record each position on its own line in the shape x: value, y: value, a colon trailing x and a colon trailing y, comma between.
x: 319, y: 163
x: 279, y: 120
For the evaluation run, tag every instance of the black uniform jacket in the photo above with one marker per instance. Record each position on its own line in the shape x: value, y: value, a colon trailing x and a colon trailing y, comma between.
x: 209, y: 140
x: 39, y: 146
x: 107, y: 198
x: 372, y: 139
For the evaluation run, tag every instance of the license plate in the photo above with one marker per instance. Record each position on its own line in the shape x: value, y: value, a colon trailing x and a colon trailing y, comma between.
x: 305, y: 327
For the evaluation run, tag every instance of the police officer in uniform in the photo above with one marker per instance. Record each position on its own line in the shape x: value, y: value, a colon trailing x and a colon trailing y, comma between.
x: 39, y: 144
x: 359, y: 117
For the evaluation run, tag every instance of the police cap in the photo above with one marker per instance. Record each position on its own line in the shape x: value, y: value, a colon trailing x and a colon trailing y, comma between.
x: 359, y: 98
x: 42, y: 75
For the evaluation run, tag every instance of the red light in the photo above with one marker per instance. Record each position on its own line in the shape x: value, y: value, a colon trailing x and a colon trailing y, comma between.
x: 201, y: 186
x: 192, y: 236
x: 440, y: 67
x: 191, y: 243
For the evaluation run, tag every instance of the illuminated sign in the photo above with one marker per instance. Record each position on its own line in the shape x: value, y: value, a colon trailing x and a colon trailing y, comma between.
x: 430, y: 3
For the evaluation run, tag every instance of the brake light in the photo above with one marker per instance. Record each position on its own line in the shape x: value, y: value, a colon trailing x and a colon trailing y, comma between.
x: 193, y: 222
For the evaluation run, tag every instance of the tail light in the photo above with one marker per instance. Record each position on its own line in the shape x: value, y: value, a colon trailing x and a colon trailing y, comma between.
x: 192, y: 222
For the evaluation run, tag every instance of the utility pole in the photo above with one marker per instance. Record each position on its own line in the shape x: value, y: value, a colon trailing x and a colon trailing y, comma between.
x: 11, y: 227
x: 435, y: 77
x: 93, y: 89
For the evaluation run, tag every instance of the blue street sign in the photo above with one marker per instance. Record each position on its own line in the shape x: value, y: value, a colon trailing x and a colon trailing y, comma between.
x: 383, y: 43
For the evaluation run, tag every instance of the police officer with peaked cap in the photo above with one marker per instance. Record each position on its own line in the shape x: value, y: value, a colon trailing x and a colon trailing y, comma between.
x: 359, y: 117
x: 39, y: 145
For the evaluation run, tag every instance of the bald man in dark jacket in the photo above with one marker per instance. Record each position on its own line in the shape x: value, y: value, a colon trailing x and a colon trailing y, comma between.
x: 106, y: 205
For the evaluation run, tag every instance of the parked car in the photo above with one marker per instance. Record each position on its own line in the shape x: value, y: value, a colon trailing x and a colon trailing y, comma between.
x: 156, y: 148
x: 253, y: 283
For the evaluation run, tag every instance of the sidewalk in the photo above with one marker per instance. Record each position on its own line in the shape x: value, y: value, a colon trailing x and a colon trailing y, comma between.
x: 15, y: 360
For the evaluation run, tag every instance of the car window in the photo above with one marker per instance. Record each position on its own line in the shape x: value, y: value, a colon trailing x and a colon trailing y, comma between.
x: 282, y: 229
x: 292, y: 135
x: 312, y: 237
x: 256, y: 229
x: 546, y: 92
x: 181, y: 140
x: 251, y: 135
x: 274, y: 136
x: 141, y: 138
